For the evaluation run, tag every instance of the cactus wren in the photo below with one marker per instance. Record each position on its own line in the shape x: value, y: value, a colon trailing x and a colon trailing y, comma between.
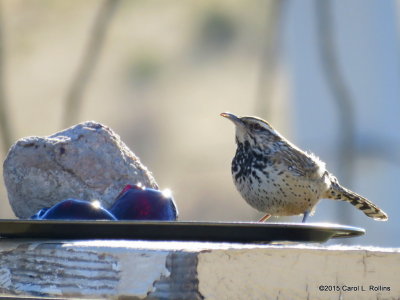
x: 277, y: 178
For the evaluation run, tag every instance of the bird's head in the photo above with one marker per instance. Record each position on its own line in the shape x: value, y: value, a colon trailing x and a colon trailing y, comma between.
x: 252, y: 129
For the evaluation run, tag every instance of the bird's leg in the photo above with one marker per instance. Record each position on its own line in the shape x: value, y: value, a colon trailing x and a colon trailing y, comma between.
x: 305, y: 216
x: 265, y: 218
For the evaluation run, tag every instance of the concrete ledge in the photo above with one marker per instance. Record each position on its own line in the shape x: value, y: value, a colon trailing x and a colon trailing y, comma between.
x: 185, y: 270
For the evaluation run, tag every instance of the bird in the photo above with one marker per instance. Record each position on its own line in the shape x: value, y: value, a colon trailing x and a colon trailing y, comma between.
x: 276, y: 177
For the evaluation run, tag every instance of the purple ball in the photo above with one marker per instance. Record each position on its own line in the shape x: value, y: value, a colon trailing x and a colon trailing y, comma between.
x: 73, y: 209
x: 137, y: 203
x: 39, y: 214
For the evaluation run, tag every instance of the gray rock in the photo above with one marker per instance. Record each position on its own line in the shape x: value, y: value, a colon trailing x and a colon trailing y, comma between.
x: 87, y: 161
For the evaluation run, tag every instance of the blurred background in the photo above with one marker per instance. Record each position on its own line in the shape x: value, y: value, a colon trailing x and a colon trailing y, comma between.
x: 324, y: 73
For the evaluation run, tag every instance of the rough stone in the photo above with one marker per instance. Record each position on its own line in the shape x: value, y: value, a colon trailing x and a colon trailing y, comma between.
x: 87, y: 161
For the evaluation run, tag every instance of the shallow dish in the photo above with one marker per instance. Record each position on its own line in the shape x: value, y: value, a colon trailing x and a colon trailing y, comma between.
x: 242, y: 232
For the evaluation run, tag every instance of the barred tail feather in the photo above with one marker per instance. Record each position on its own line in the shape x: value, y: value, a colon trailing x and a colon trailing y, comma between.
x: 338, y: 192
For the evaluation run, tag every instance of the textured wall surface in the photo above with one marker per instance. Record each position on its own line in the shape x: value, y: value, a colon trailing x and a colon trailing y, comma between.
x: 183, y: 270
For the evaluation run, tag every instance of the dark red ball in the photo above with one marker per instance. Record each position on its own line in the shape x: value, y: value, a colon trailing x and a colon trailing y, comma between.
x: 137, y: 203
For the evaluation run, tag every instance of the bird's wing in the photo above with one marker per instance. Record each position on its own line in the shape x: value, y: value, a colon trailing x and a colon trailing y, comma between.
x: 299, y: 163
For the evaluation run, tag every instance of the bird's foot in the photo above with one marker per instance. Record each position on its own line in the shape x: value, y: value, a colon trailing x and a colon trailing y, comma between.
x: 305, y: 216
x: 265, y: 218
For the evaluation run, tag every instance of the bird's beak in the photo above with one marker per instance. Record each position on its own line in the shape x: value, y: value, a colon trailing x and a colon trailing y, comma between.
x: 236, y: 120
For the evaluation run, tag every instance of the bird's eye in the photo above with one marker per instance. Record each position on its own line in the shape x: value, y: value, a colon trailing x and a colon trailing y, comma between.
x: 256, y: 126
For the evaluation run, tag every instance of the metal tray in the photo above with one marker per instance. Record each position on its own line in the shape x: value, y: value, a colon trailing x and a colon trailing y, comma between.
x: 242, y: 232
